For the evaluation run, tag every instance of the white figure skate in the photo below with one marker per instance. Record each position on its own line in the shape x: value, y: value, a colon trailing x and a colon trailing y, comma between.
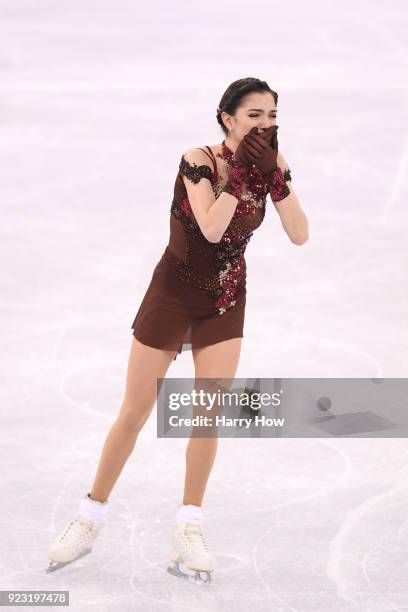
x: 189, y: 555
x: 73, y: 543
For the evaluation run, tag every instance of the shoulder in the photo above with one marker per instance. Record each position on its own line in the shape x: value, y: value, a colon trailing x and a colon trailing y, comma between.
x: 195, y: 155
x: 195, y: 164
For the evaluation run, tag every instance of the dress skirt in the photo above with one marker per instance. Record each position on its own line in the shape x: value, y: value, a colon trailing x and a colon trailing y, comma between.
x: 177, y: 316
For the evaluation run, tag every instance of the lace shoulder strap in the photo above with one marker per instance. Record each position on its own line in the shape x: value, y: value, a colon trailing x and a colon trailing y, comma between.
x: 193, y: 171
x: 211, y: 156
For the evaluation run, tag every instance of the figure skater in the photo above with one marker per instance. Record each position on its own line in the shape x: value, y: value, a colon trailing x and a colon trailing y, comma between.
x: 196, y: 300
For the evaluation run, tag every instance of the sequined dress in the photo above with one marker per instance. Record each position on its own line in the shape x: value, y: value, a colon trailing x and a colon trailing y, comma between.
x: 197, y: 293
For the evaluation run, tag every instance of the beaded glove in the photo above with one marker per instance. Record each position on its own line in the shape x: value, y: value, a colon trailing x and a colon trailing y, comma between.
x: 237, y: 172
x: 259, y: 149
x: 277, y: 185
x: 262, y: 150
x: 236, y: 181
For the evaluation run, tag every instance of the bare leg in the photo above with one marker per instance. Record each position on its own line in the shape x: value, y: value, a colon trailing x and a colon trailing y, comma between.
x: 146, y: 364
x: 215, y: 361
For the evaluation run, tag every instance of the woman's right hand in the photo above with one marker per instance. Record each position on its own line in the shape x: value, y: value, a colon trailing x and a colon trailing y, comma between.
x: 242, y: 154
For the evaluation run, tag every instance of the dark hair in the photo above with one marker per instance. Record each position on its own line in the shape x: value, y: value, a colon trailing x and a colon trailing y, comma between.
x: 234, y: 94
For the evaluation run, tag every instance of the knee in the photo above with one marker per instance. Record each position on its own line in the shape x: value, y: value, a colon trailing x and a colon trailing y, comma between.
x: 133, y: 417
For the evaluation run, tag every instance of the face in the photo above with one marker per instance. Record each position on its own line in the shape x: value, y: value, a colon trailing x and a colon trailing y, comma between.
x: 256, y: 110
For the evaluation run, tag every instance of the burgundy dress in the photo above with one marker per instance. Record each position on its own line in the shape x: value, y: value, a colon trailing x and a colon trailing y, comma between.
x: 197, y: 293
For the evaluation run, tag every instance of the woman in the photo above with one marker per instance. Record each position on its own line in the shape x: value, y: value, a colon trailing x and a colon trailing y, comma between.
x: 196, y: 300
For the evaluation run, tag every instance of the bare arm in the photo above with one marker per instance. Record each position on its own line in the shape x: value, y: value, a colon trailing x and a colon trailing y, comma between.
x: 292, y: 217
x: 220, y: 213
x: 213, y: 215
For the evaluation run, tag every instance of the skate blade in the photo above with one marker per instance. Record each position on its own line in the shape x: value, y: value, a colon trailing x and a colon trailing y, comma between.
x: 56, y: 565
x: 195, y: 576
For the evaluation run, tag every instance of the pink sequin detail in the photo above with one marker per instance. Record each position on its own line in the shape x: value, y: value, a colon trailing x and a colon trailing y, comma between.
x: 232, y: 268
x: 186, y: 208
x: 277, y: 186
x: 230, y: 279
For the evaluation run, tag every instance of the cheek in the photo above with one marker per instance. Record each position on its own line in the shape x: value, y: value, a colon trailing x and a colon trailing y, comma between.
x: 247, y: 126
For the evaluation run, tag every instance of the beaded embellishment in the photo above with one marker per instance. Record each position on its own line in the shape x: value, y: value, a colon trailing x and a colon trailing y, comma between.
x: 194, y: 172
x: 258, y: 187
x: 226, y: 257
x: 236, y: 174
x: 255, y: 195
x: 287, y: 174
x: 229, y: 260
x: 277, y: 184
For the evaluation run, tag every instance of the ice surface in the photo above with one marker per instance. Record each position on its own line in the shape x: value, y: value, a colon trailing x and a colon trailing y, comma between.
x: 98, y: 101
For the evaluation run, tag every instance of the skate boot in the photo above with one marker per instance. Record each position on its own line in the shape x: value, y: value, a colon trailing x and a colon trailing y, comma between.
x: 189, y: 555
x: 78, y: 537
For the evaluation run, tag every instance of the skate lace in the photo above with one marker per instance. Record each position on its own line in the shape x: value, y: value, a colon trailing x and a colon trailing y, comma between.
x: 77, y: 528
x: 193, y: 536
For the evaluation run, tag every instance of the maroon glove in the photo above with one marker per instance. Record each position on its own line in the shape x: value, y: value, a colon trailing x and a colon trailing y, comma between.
x: 253, y: 149
x: 261, y: 150
x: 237, y: 176
x: 242, y: 155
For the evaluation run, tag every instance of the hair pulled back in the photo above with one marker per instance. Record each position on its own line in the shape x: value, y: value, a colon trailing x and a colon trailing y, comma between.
x: 234, y: 94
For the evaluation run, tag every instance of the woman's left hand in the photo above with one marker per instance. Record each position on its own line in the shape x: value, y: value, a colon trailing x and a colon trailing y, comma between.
x: 262, y: 150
